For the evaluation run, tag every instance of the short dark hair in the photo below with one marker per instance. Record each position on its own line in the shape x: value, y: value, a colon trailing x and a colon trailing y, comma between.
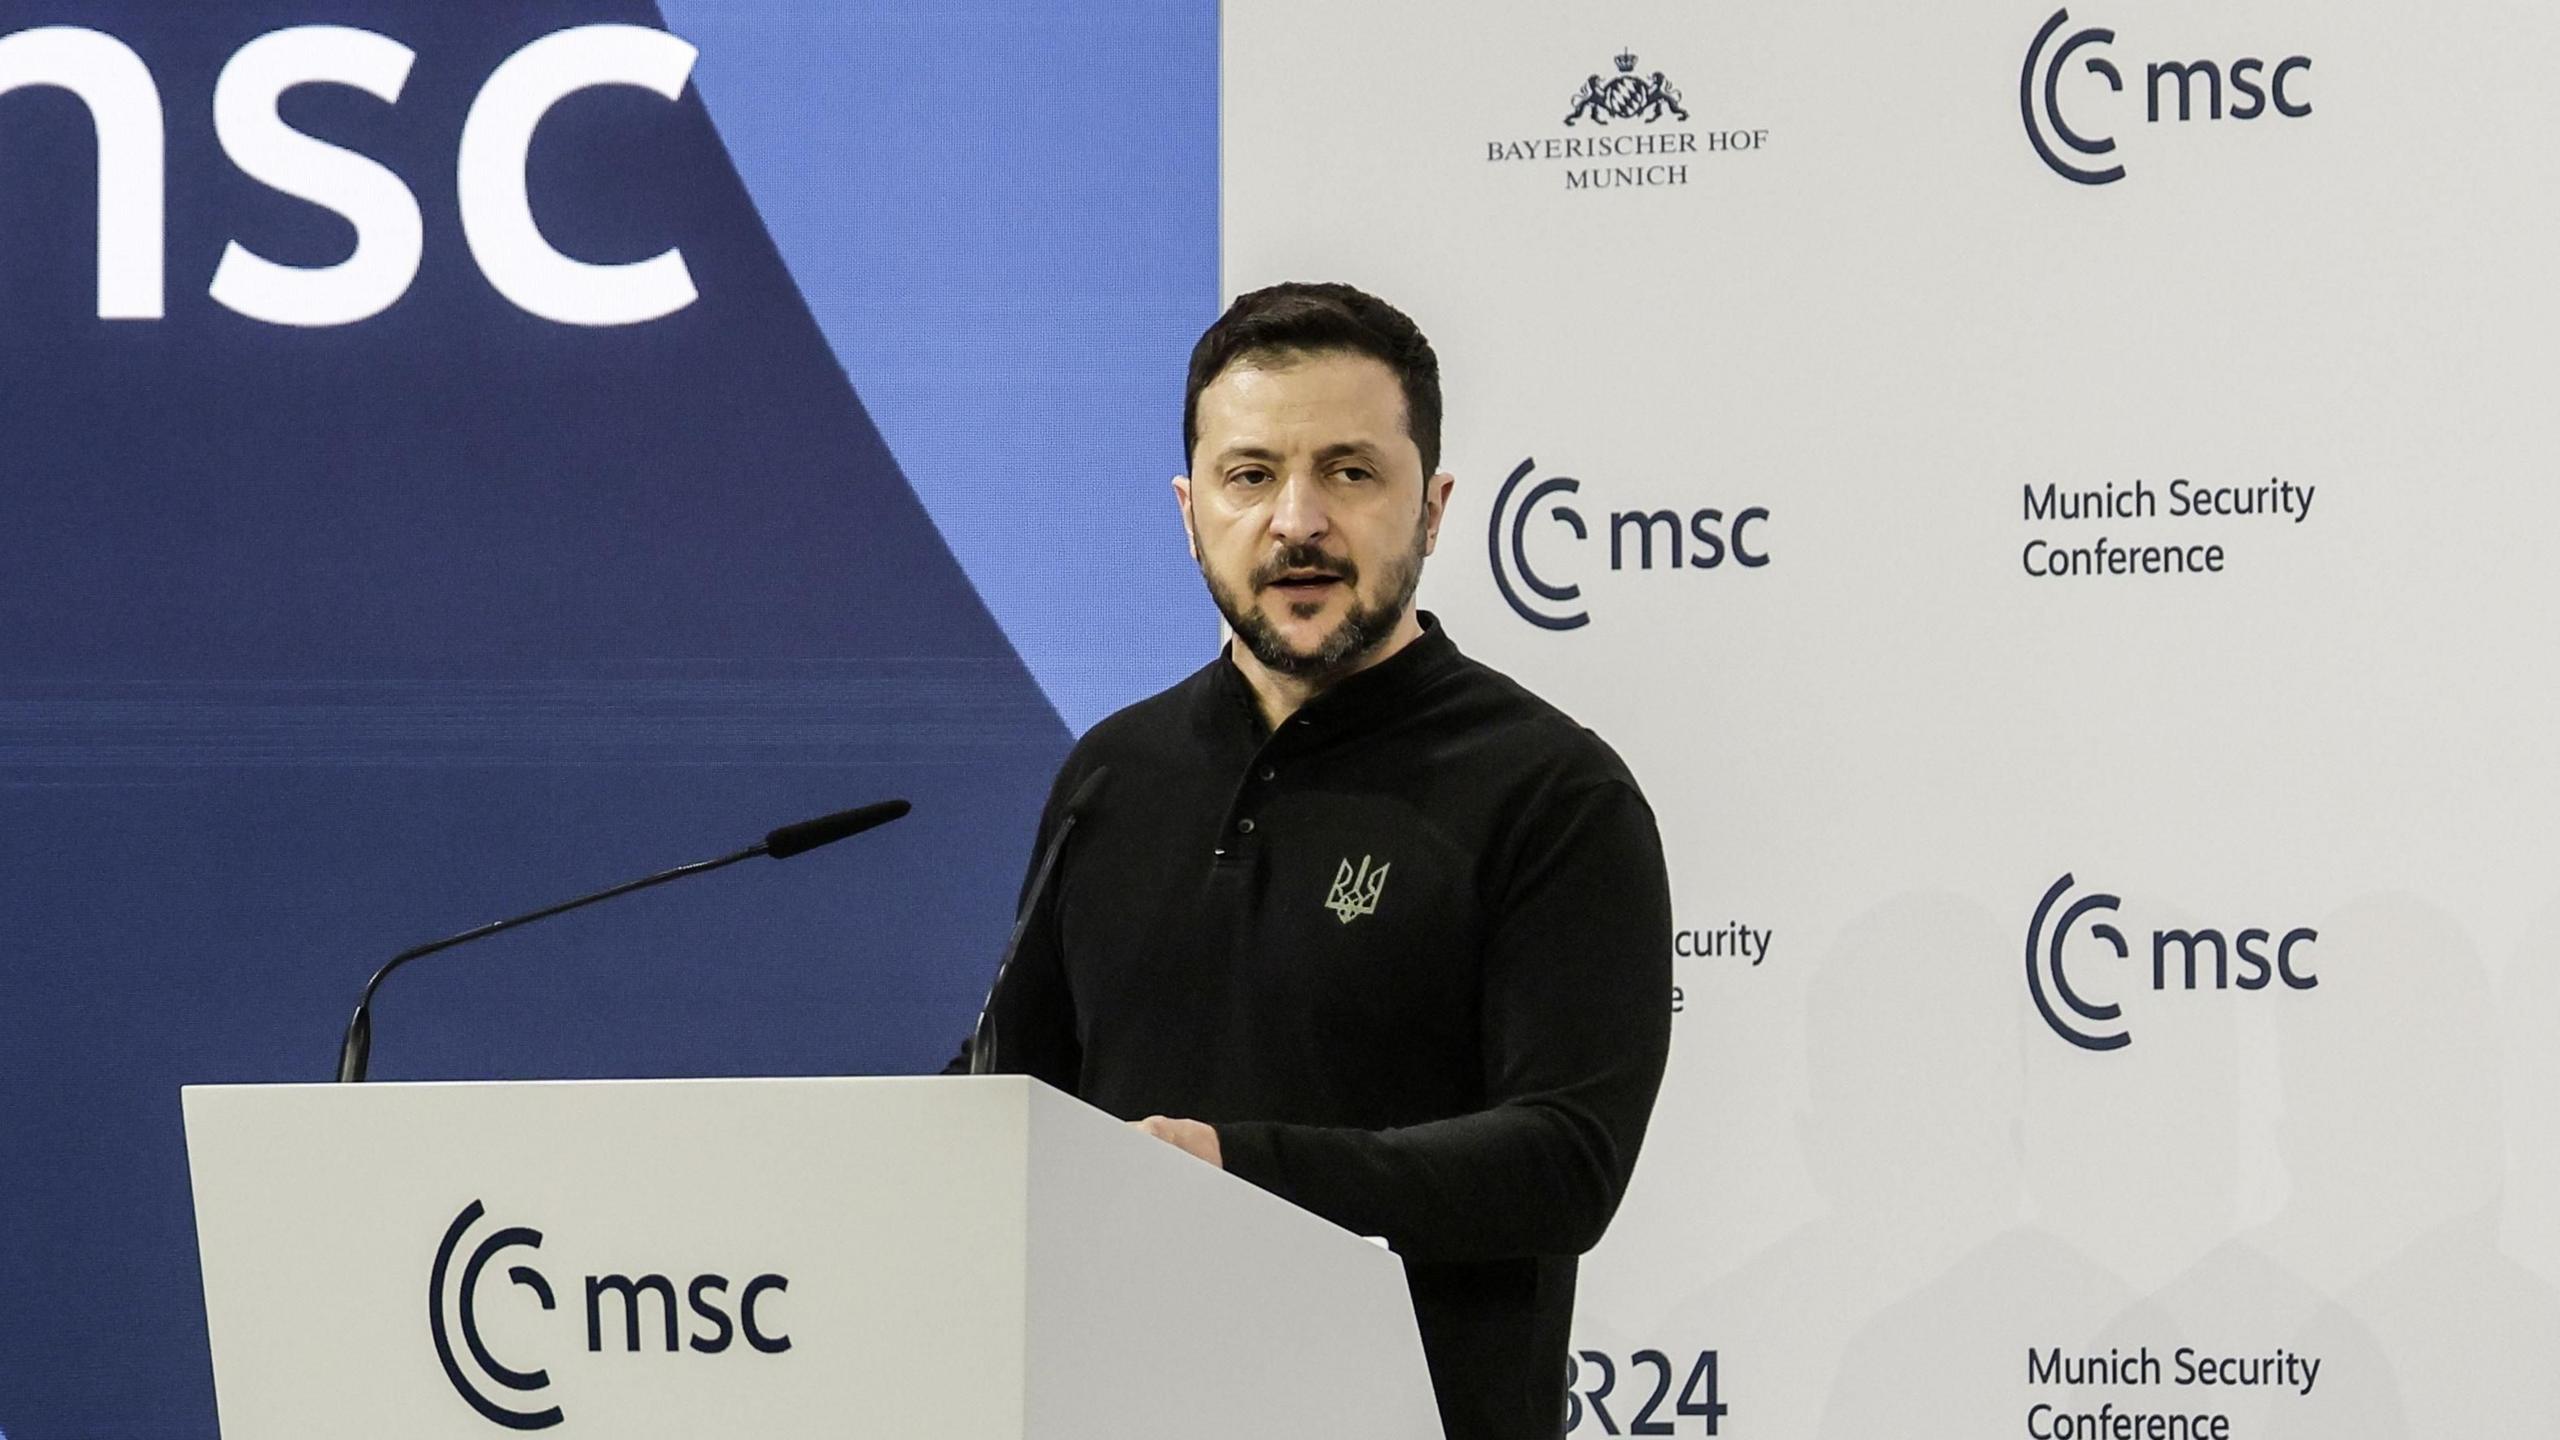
x: 1302, y: 318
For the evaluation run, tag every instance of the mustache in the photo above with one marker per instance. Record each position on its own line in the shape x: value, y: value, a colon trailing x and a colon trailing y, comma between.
x: 1304, y: 560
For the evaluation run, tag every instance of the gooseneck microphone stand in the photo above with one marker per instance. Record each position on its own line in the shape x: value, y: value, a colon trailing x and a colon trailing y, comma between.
x: 356, y: 1051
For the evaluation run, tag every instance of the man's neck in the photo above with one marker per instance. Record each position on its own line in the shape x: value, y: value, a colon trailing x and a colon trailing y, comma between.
x: 1280, y: 695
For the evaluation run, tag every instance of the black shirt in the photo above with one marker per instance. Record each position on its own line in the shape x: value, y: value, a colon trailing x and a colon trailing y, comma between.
x: 1410, y: 953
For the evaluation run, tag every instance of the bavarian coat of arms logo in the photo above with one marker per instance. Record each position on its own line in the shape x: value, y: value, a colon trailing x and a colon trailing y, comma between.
x: 1625, y: 96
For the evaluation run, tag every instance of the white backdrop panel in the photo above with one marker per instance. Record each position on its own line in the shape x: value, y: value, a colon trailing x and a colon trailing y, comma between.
x: 1865, y: 305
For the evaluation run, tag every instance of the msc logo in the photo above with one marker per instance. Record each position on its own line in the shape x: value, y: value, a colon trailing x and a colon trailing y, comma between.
x: 123, y: 102
x: 1625, y: 96
x: 459, y: 1299
x: 1699, y: 540
x: 2098, y: 1026
x: 467, y: 1305
x: 2254, y: 86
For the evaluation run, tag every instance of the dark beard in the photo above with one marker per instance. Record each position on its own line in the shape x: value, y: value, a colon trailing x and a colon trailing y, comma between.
x: 1358, y: 635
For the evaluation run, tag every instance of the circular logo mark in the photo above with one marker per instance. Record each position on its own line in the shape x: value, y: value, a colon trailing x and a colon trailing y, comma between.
x: 466, y: 1308
x: 2045, y: 104
x: 1506, y: 540
x: 2044, y: 956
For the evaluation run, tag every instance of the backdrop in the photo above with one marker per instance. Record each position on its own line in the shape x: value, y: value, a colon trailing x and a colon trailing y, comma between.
x: 324, y: 636
x: 2053, y: 506
x: 2049, y: 503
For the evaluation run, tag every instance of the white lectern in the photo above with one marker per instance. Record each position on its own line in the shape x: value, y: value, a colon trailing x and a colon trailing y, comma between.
x: 898, y: 1258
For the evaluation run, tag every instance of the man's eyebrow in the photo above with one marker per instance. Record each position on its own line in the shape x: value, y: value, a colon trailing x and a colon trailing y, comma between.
x: 1339, y: 450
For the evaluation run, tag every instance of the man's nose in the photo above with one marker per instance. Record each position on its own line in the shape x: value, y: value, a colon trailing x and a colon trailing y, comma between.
x: 1298, y: 513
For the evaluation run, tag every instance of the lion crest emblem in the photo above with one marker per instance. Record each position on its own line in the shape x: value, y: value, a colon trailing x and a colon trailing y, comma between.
x: 1625, y: 96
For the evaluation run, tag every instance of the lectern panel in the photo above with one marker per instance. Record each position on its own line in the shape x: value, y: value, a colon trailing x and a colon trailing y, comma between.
x: 635, y: 1259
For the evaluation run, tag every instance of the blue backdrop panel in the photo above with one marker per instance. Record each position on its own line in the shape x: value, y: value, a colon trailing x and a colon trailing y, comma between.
x: 315, y: 643
x: 1002, y: 216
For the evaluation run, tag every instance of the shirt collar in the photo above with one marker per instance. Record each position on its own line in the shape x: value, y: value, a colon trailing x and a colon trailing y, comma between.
x: 1357, y: 698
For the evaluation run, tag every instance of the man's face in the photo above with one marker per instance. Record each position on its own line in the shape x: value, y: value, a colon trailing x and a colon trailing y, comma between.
x: 1307, y: 507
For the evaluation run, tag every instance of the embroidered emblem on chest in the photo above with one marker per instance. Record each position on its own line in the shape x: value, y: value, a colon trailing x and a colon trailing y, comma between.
x: 1355, y: 895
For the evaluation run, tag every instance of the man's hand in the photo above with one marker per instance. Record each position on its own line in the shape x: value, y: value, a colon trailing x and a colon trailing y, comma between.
x: 1190, y: 1135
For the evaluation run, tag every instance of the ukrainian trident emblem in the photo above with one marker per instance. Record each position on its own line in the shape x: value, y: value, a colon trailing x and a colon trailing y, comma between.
x: 1355, y: 895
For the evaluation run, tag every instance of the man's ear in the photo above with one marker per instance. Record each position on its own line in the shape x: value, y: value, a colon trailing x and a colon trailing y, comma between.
x: 1182, y: 500
x: 1435, y: 506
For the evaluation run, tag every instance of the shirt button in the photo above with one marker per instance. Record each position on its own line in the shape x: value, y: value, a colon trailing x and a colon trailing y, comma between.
x: 1244, y: 827
x: 1270, y: 773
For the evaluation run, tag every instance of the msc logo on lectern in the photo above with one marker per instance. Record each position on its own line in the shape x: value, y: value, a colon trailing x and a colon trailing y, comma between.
x: 1642, y: 540
x: 454, y: 1306
x: 2198, y: 87
x: 466, y: 1304
x: 2099, y: 1025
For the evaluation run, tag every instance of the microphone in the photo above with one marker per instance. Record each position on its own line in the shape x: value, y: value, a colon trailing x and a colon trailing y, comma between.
x: 982, y: 1039
x: 356, y: 1051
x: 807, y: 835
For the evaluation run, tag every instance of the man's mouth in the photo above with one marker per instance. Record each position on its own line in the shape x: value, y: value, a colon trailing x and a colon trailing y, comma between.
x: 1304, y: 585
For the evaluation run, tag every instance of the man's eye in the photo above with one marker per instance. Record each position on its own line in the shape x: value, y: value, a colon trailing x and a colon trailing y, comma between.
x: 1249, y: 477
x: 1354, y: 472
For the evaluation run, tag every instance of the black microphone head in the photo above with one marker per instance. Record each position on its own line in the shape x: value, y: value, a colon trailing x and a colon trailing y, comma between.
x: 808, y: 835
x: 1085, y: 792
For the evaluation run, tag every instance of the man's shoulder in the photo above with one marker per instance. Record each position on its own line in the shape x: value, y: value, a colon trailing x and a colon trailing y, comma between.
x: 1521, y: 728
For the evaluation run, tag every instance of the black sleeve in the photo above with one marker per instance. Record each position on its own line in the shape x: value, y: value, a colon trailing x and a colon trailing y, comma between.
x: 1576, y: 1030
x: 1033, y: 1013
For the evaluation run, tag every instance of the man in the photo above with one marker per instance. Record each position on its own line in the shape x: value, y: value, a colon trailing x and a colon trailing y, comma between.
x: 1352, y: 915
